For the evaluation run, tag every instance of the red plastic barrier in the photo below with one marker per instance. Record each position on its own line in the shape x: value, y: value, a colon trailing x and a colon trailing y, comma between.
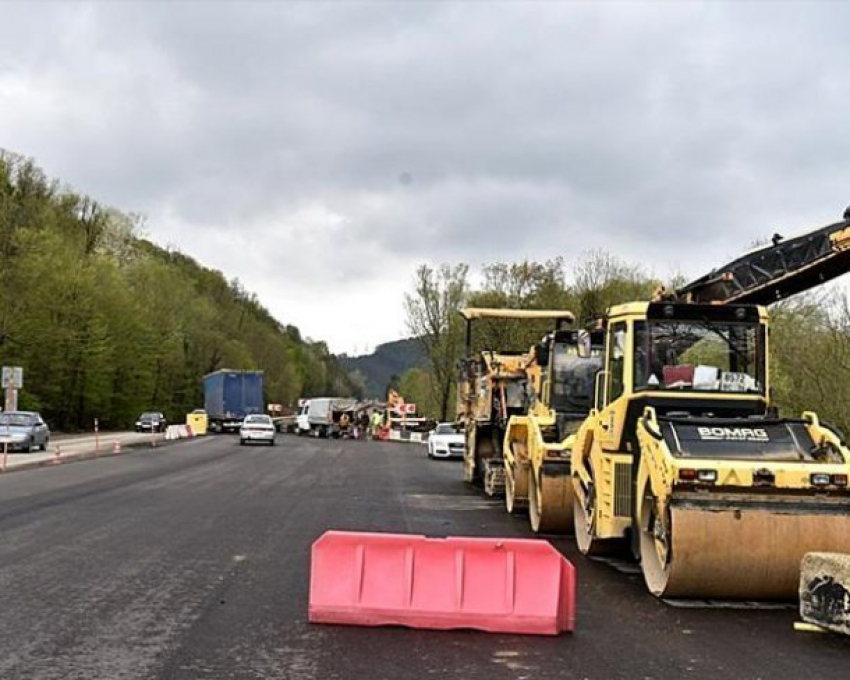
x: 496, y: 585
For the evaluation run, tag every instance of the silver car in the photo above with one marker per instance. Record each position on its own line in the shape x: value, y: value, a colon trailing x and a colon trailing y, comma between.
x: 257, y: 428
x: 23, y: 431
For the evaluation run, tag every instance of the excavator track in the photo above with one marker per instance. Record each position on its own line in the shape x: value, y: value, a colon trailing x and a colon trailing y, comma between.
x: 731, y: 548
x: 494, y: 477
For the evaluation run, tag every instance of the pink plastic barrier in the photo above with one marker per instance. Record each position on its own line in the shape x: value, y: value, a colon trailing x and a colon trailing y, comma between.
x: 496, y: 585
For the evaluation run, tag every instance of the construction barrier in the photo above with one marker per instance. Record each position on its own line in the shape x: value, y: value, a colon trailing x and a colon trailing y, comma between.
x: 406, y: 436
x: 178, y: 432
x: 491, y: 584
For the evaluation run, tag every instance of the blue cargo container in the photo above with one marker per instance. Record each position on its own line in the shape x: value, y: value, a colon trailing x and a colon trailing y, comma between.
x: 231, y: 395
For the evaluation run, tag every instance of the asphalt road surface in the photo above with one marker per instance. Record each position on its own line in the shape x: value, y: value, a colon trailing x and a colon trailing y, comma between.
x: 191, y: 561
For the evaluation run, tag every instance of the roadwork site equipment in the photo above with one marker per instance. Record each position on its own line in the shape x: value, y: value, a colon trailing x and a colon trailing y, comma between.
x: 684, y: 460
x: 490, y: 584
x: 776, y: 271
x: 521, y: 413
x: 561, y: 370
x: 825, y: 591
x: 493, y: 387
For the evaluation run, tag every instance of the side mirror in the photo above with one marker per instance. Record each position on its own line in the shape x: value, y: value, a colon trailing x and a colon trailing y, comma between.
x: 583, y: 345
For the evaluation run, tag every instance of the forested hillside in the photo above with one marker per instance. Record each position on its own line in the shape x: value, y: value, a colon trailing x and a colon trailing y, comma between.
x: 386, y: 364
x: 106, y: 323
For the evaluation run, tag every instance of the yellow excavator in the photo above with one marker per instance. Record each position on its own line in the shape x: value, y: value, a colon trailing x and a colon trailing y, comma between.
x: 683, y: 458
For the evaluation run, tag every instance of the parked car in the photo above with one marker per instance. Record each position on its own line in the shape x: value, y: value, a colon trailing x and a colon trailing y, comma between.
x: 151, y: 421
x: 446, y: 441
x: 23, y: 431
x: 257, y: 428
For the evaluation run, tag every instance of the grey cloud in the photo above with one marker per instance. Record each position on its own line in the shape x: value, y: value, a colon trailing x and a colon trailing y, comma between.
x: 675, y: 134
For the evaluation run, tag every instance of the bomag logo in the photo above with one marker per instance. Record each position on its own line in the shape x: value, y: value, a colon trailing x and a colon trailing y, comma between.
x: 733, y: 434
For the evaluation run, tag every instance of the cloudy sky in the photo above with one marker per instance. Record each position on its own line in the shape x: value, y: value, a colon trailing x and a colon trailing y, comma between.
x: 320, y: 151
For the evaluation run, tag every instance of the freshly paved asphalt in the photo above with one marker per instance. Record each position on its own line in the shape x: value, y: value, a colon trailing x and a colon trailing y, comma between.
x: 191, y: 561
x: 73, y: 447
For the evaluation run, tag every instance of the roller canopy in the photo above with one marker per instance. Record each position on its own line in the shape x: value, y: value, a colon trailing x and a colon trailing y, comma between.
x: 471, y: 313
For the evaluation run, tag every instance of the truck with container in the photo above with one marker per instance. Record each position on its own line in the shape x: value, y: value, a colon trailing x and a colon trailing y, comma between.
x: 326, y: 416
x: 229, y: 396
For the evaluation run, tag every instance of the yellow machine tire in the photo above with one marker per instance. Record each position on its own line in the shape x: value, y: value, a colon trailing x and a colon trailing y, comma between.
x: 655, y: 542
x: 584, y: 521
x: 514, y: 501
x: 550, y: 504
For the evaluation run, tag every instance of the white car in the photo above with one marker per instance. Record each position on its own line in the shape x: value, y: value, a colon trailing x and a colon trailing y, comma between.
x: 446, y: 441
x: 257, y: 428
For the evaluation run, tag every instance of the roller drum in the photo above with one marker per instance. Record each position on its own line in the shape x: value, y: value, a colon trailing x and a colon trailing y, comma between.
x: 729, y: 548
x: 551, y: 504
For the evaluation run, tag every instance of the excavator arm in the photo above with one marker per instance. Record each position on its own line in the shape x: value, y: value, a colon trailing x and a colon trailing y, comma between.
x: 773, y: 272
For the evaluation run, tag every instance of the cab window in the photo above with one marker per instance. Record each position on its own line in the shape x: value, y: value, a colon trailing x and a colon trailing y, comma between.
x: 616, y: 360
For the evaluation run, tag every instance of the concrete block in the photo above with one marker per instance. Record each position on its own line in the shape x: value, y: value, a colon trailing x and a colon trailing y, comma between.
x: 825, y: 591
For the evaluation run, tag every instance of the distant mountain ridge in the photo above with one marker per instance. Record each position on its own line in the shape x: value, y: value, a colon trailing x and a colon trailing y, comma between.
x: 388, y: 359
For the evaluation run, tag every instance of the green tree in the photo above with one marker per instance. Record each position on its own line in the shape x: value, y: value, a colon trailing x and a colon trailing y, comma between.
x: 600, y: 280
x: 432, y: 317
x: 416, y: 387
x: 107, y: 324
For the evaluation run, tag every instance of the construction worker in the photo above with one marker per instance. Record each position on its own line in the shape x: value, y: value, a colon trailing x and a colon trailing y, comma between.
x: 363, y: 424
x: 376, y: 424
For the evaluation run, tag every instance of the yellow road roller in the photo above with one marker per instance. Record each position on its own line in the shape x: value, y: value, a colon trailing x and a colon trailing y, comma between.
x: 683, y: 461
x: 538, y: 444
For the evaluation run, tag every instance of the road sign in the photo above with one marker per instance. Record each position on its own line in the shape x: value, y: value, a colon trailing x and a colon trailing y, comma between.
x: 12, y: 376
